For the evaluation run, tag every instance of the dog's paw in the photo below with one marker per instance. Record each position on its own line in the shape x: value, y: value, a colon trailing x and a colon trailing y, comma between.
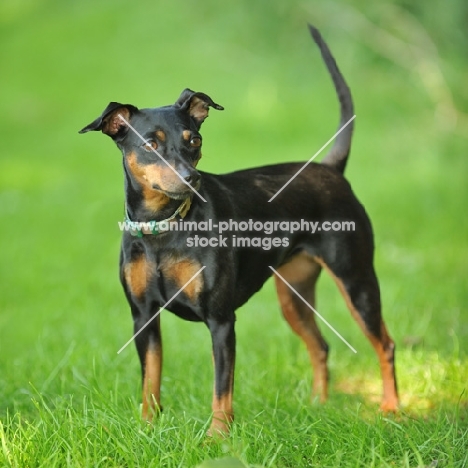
x: 389, y: 406
x: 150, y: 413
x: 219, y: 429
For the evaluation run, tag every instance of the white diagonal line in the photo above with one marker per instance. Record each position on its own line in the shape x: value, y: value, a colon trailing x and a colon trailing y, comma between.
x: 161, y: 308
x: 311, y: 308
x: 312, y: 158
x: 159, y: 154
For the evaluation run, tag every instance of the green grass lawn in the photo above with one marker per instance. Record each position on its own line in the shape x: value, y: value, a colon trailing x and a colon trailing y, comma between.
x: 66, y: 398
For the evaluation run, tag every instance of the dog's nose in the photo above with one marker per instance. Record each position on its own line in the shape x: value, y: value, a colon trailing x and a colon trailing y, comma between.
x: 191, y: 177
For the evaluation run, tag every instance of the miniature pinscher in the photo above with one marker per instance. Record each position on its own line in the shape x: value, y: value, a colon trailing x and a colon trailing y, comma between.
x: 161, y: 148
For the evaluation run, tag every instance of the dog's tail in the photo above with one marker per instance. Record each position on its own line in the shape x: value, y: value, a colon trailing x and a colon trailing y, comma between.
x: 338, y: 155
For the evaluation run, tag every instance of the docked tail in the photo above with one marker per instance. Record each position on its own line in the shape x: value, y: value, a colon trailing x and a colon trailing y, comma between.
x: 338, y: 154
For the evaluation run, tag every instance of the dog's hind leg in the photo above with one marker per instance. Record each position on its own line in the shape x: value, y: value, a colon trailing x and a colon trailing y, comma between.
x: 302, y: 273
x: 360, y: 289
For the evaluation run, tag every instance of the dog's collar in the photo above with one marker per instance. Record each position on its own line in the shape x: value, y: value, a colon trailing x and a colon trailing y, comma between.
x: 139, y: 228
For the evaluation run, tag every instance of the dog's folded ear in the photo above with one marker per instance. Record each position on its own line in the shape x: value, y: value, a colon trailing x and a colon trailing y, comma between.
x: 113, y: 120
x: 196, y: 105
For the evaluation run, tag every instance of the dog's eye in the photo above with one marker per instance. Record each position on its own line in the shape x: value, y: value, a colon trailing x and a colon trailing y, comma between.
x: 195, y: 142
x: 150, y: 145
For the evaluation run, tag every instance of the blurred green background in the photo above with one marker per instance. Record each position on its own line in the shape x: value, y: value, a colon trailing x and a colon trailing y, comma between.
x: 62, y: 313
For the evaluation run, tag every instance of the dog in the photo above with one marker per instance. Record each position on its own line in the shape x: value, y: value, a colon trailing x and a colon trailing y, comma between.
x: 161, y: 148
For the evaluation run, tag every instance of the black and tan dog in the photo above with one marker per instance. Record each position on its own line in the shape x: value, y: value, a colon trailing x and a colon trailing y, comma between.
x: 161, y: 148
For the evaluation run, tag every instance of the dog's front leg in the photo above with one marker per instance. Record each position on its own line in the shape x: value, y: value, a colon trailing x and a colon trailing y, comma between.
x: 224, y: 355
x: 149, y: 346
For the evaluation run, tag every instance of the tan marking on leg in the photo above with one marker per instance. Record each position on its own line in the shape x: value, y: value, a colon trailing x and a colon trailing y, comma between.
x: 152, y: 383
x: 180, y: 271
x: 303, y: 269
x: 223, y: 414
x: 384, y: 347
x: 137, y: 275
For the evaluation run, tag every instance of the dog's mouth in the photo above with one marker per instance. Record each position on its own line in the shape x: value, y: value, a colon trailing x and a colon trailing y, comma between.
x: 179, y: 195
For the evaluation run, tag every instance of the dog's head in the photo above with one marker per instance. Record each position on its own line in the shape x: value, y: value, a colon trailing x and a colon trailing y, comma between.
x: 161, y: 146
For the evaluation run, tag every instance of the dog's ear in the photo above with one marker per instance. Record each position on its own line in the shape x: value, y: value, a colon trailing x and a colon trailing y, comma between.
x: 196, y: 105
x: 110, y: 121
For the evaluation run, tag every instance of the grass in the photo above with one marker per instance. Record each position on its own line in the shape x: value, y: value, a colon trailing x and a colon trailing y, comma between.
x: 66, y: 397
x: 89, y: 416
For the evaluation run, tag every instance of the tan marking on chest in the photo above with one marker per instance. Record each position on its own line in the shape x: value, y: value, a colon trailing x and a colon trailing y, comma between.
x: 138, y: 274
x: 180, y: 271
